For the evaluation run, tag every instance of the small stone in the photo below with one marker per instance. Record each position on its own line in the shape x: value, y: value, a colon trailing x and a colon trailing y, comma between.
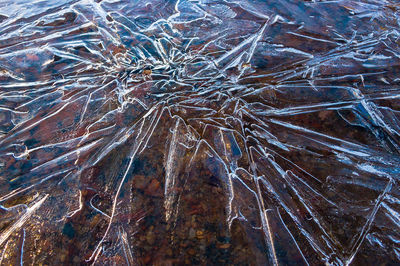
x: 76, y: 260
x: 147, y: 259
x: 225, y: 246
x: 153, y: 189
x: 95, y: 221
x: 32, y: 57
x: 200, y: 234
x: 140, y: 182
x: 169, y: 252
x: 192, y: 233
x: 147, y: 72
x: 150, y: 238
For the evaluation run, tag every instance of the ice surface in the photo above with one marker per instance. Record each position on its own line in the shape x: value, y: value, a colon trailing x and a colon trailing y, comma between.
x: 261, y: 132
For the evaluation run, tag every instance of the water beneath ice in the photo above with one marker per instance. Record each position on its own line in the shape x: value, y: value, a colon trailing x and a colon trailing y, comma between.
x: 171, y: 132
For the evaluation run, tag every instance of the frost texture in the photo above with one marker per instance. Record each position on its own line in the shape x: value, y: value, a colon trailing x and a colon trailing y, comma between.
x: 211, y: 132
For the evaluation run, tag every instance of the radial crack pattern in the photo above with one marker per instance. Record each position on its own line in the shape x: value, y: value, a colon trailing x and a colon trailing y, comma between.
x: 199, y: 132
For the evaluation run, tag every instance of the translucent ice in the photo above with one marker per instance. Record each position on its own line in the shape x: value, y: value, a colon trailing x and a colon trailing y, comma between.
x: 261, y: 132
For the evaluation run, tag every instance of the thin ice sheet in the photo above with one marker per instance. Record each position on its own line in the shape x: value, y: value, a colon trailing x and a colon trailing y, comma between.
x: 245, y: 132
